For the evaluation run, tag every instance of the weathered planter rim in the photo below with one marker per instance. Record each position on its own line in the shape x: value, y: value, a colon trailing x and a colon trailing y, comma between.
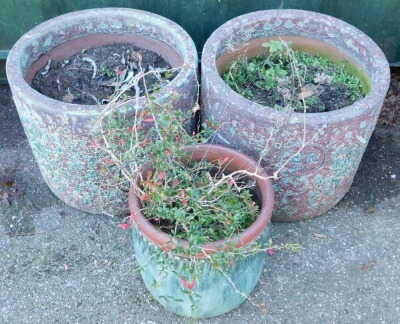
x: 163, y: 240
x: 189, y: 55
x: 379, y: 81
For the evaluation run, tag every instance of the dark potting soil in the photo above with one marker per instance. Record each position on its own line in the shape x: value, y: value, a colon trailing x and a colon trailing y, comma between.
x: 93, y: 76
x: 318, y: 97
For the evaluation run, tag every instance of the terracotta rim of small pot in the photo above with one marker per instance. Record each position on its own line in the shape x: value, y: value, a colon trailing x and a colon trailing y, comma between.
x: 238, y: 161
x: 111, y: 18
x: 350, y: 40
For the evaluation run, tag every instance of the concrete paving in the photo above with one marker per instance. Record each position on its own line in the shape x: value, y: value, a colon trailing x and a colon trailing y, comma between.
x: 60, y: 265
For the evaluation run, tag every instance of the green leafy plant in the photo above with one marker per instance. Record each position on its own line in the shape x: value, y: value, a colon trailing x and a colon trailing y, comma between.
x: 107, y: 72
x: 285, y: 78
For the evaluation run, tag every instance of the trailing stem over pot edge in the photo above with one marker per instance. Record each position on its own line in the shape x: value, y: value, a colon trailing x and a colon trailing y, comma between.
x: 158, y: 135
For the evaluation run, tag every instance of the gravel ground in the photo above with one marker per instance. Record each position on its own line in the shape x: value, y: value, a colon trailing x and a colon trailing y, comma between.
x: 58, y: 264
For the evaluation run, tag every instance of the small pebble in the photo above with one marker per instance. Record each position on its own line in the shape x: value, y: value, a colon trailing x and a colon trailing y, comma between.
x: 393, y: 176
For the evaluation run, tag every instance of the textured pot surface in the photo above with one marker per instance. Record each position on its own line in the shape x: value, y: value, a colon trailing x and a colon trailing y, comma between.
x: 60, y: 133
x: 320, y: 175
x: 217, y: 294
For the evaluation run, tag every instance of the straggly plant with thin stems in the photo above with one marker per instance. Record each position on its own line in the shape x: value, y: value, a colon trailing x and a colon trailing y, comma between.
x: 196, y: 201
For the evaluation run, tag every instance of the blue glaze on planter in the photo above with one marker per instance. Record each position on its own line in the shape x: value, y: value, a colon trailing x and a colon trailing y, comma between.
x: 217, y: 294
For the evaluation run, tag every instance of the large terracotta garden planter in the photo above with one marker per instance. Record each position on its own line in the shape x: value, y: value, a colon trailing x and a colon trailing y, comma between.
x: 317, y: 178
x: 217, y: 293
x: 60, y: 133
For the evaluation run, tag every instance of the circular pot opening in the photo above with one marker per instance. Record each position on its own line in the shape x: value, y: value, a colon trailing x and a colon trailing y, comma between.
x: 309, y: 31
x: 263, y: 192
x: 68, y: 34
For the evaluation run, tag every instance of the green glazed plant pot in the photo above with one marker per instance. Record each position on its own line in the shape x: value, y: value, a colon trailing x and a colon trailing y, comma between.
x: 314, y: 180
x: 214, y: 293
x: 60, y: 133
